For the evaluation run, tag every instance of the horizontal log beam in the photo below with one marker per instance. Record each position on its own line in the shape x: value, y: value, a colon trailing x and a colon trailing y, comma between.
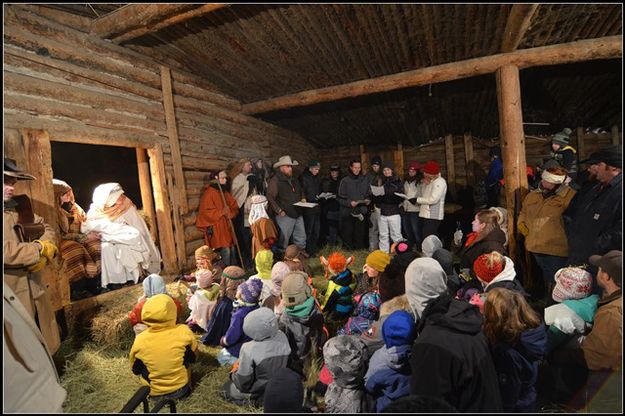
x: 583, y: 50
x: 133, y: 16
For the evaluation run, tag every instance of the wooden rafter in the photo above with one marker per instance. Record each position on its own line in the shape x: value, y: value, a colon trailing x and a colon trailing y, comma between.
x: 583, y: 50
x: 518, y: 23
x: 134, y: 20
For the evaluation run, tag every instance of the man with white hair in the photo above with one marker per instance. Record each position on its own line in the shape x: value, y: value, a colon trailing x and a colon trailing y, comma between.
x: 128, y: 251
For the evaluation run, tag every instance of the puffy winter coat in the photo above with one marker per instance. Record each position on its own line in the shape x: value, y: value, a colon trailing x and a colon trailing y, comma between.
x: 303, y: 327
x: 388, y: 376
x: 433, y: 200
x: 235, y: 336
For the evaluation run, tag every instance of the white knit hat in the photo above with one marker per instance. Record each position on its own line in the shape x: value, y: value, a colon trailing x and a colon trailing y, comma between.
x: 572, y: 283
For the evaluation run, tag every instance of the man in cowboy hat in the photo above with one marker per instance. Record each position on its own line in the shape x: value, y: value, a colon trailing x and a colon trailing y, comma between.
x: 23, y: 260
x: 283, y: 190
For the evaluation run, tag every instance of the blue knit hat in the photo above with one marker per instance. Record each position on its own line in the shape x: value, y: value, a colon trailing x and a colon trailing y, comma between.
x: 250, y: 290
x: 398, y: 329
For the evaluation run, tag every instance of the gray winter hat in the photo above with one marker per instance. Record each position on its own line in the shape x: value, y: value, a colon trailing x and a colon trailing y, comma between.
x: 425, y: 280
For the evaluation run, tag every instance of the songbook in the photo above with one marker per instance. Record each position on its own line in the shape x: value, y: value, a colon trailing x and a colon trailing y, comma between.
x: 326, y: 195
x: 305, y: 204
x: 402, y: 195
x: 377, y: 190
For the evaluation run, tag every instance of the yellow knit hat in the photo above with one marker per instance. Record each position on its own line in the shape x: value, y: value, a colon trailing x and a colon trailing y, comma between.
x: 378, y: 260
x: 264, y: 263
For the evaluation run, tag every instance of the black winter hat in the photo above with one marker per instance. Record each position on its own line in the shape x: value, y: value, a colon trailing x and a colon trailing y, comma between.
x: 376, y: 160
x: 388, y: 164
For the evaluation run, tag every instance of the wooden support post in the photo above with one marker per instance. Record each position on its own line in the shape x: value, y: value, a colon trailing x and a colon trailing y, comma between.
x: 39, y: 158
x: 364, y: 158
x: 512, y: 147
x: 399, y: 160
x: 581, y: 149
x: 174, y: 143
x: 615, y: 135
x: 163, y: 211
x: 468, y: 159
x: 451, y: 169
x: 178, y: 226
x: 145, y: 185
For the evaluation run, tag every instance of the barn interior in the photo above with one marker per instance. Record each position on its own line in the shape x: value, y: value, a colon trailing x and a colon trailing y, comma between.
x: 158, y: 95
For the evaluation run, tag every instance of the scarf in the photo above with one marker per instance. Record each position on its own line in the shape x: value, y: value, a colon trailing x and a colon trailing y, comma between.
x: 470, y: 239
x: 301, y: 310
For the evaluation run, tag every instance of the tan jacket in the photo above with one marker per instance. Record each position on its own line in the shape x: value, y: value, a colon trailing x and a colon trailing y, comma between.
x: 29, y: 288
x: 543, y: 219
x: 603, y: 346
x: 32, y: 384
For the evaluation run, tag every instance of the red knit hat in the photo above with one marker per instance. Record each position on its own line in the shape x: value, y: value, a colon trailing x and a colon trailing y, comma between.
x: 432, y: 168
x: 484, y: 271
x: 414, y: 165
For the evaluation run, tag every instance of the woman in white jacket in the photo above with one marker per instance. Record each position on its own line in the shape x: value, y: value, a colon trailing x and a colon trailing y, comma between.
x: 432, y: 202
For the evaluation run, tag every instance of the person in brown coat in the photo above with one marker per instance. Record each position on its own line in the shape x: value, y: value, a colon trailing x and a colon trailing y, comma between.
x: 23, y: 260
x: 213, y: 218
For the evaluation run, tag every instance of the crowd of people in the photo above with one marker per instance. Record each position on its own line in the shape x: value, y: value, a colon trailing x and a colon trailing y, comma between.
x: 422, y: 327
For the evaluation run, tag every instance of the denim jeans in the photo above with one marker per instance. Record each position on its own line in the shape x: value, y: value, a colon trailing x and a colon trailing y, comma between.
x: 549, y: 265
x: 411, y: 228
x: 291, y: 227
x: 389, y: 226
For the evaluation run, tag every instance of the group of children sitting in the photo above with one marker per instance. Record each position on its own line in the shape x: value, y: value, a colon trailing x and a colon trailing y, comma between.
x: 273, y: 329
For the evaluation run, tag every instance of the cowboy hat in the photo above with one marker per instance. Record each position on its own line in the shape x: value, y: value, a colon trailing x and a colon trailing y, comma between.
x: 10, y: 169
x: 285, y: 161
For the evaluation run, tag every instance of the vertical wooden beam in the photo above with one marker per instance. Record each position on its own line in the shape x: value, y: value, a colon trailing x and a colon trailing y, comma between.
x: 512, y: 147
x: 581, y: 149
x: 364, y: 158
x: 399, y: 160
x: 468, y: 159
x: 145, y: 185
x: 39, y: 158
x: 163, y: 211
x: 451, y: 169
x: 174, y: 143
x: 615, y: 135
x: 178, y: 226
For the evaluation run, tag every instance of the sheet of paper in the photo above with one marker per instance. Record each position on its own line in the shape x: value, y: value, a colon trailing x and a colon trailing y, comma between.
x: 401, y: 195
x: 326, y: 195
x: 305, y: 204
x: 377, y: 190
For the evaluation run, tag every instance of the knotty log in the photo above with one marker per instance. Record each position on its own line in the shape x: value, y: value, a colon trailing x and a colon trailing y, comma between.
x: 583, y: 50
x: 145, y: 185
x: 468, y: 158
x: 518, y: 23
x: 449, y: 164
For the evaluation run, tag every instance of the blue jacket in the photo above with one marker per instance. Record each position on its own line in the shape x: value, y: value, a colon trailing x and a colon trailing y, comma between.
x: 388, y: 376
x: 235, y: 337
x: 517, y: 369
x: 495, y: 173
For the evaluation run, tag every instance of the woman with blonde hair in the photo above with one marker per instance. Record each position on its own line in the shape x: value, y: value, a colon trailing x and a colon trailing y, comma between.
x: 486, y: 237
x: 518, y: 342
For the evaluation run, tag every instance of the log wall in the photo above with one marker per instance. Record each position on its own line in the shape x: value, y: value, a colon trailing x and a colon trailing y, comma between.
x: 82, y: 89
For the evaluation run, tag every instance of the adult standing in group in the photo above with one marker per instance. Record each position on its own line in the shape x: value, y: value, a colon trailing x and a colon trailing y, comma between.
x: 594, y: 218
x: 432, y: 203
x: 390, y: 220
x: 354, y: 198
x: 494, y: 178
x: 374, y: 178
x: 261, y: 174
x: 563, y: 153
x: 331, y: 207
x: 541, y: 222
x: 311, y: 187
x: 23, y: 259
x: 214, y: 217
x: 242, y: 188
x: 413, y: 188
x: 283, y: 190
x: 128, y: 251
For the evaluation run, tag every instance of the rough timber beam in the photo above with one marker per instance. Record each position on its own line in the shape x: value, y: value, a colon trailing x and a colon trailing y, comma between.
x: 518, y: 23
x: 584, y: 50
x: 134, y: 20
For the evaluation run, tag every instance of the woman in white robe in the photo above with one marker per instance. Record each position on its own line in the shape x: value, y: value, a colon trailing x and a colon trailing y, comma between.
x: 127, y: 247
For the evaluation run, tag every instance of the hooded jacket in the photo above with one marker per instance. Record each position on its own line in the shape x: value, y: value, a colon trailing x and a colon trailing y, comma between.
x: 517, y: 369
x: 346, y: 358
x: 338, y: 298
x: 493, y: 241
x: 506, y: 279
x: 388, y: 376
x: 235, y: 336
x: 432, y: 202
x: 425, y: 281
x: 162, y: 353
x: 259, y: 358
x: 451, y: 359
x: 372, y: 337
x: 353, y: 188
x: 571, y: 317
x: 366, y: 313
x: 430, y: 244
x: 303, y: 327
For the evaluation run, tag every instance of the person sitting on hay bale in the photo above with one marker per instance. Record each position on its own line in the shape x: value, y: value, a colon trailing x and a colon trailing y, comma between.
x: 152, y: 285
x: 205, y: 261
x: 202, y: 302
x: 162, y: 354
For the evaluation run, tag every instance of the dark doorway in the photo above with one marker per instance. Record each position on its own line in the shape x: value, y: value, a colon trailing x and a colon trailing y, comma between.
x: 85, y: 166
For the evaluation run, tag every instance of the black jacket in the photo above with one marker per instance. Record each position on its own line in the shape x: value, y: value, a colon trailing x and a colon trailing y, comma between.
x: 353, y: 188
x: 282, y: 193
x: 311, y: 187
x: 451, y: 358
x: 389, y: 202
x: 494, y: 241
x: 594, y: 221
x: 332, y: 186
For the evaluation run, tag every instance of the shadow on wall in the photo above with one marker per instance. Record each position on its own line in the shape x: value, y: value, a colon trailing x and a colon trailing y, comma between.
x: 85, y: 166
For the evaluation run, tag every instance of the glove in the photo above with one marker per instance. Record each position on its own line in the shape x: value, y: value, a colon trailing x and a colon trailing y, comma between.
x: 38, y: 266
x: 458, y: 237
x: 235, y: 367
x: 523, y: 229
x: 48, y: 249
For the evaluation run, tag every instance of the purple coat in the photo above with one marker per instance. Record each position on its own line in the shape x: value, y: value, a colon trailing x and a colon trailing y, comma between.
x: 235, y: 337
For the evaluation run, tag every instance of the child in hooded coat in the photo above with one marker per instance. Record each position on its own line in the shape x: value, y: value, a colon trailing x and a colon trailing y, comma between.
x: 388, y: 376
x: 337, y: 304
x: 346, y: 359
x: 203, y: 300
x: 574, y: 313
x: 246, y: 301
x: 231, y: 278
x: 284, y: 393
x: 163, y: 353
x: 264, y: 263
x: 152, y: 285
x: 267, y: 352
x: 365, y: 314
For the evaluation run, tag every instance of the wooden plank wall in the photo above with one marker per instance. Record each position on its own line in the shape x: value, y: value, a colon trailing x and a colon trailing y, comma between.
x: 83, y: 89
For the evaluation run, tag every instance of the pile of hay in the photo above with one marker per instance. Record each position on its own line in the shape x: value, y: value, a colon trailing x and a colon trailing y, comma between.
x: 97, y: 374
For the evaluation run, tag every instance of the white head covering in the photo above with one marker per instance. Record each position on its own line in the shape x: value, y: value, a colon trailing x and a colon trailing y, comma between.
x: 430, y: 244
x: 425, y: 280
x: 258, y: 208
x: 107, y: 194
x: 154, y: 285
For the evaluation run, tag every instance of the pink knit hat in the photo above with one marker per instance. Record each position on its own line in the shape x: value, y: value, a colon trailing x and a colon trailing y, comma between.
x: 204, y: 279
x: 572, y: 283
